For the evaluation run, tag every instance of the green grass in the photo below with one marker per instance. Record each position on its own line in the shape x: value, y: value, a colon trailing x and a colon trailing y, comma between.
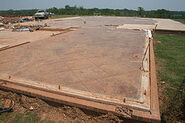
x: 180, y: 20
x: 4, y: 117
x: 170, y: 59
x: 62, y: 16
x: 28, y: 117
x: 171, y: 54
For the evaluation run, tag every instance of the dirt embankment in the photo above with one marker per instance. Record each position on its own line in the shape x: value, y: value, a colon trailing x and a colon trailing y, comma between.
x: 52, y: 111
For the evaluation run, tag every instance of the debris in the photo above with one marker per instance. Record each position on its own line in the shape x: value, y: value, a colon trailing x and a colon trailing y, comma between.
x: 163, y: 82
x: 125, y: 111
x: 112, y: 25
x: 27, y: 18
x: 10, y: 20
x: 21, y: 21
x: 2, y: 47
x: 136, y: 26
x: 2, y: 28
x: 45, y: 25
x: 31, y: 108
x: 149, y: 34
x: 30, y: 103
x: 55, y: 34
x: 5, y: 110
x: 1, y: 24
x: 8, y: 47
x: 7, y: 103
x: 8, y: 106
x: 31, y: 28
x: 59, y: 29
x: 21, y: 29
x: 1, y: 17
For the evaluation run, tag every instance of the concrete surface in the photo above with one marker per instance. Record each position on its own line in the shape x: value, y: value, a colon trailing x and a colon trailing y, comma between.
x: 93, y: 21
x: 96, y: 58
x: 10, y: 38
x: 137, y: 26
x: 168, y: 24
x: 95, y: 66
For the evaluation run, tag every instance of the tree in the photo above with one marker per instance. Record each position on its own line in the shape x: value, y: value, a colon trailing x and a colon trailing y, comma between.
x: 67, y: 7
x: 141, y: 11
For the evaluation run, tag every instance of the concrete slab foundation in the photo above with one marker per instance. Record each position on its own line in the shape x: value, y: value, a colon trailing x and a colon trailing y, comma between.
x: 96, y: 67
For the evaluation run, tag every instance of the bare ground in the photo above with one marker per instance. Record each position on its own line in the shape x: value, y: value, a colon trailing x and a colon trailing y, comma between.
x: 52, y: 111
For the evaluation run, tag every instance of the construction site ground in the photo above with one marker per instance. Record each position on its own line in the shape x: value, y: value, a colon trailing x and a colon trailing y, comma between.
x: 31, y: 109
x: 98, y: 59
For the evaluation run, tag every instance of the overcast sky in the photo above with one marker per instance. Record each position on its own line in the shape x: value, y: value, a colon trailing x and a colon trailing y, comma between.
x: 115, y: 4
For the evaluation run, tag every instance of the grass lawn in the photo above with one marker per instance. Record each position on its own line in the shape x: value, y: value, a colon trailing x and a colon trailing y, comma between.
x: 170, y: 60
x: 180, y: 20
x: 27, y: 117
x: 62, y: 16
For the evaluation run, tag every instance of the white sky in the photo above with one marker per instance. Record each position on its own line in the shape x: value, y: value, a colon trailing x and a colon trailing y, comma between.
x: 115, y: 4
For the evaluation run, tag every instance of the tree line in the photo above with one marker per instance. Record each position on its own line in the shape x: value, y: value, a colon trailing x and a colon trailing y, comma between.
x: 81, y: 11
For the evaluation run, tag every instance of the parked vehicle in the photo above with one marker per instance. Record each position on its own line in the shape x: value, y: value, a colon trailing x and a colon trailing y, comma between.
x: 41, y: 14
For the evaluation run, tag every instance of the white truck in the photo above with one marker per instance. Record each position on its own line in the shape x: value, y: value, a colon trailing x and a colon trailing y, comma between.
x: 41, y: 14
